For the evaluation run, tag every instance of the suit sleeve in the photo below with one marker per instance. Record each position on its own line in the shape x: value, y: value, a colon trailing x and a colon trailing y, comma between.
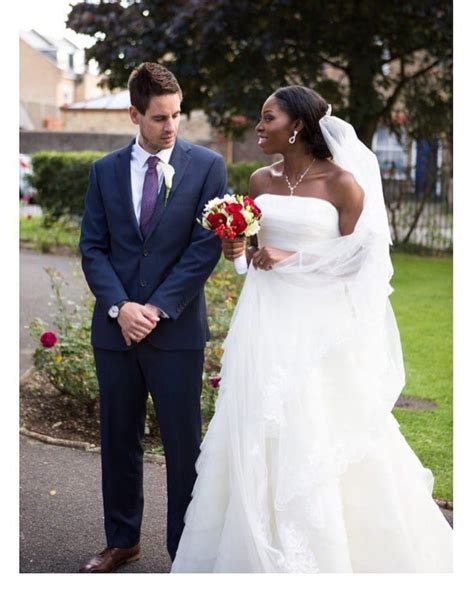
x: 94, y: 246
x: 201, y: 256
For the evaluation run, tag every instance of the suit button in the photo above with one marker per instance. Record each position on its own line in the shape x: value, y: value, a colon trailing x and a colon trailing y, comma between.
x: 145, y: 253
x: 143, y: 283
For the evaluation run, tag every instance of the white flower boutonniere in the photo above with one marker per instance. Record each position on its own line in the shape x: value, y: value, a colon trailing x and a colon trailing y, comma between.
x: 168, y: 174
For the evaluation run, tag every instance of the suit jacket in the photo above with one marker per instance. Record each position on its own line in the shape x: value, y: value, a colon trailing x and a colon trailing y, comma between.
x: 169, y: 266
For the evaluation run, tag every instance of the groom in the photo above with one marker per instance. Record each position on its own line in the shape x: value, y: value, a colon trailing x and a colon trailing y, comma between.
x: 146, y: 260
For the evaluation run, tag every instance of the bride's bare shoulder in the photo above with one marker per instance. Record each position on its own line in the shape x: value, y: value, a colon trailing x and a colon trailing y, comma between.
x: 343, y: 186
x: 261, y: 179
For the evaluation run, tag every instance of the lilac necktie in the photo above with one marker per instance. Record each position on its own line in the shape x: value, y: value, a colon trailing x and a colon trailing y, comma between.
x: 149, y: 194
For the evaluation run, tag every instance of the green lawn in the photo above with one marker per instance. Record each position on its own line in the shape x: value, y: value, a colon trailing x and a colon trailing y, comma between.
x: 422, y: 301
x: 423, y: 306
x: 63, y: 233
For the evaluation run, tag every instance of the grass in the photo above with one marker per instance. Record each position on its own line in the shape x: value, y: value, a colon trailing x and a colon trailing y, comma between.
x: 422, y: 302
x: 62, y: 234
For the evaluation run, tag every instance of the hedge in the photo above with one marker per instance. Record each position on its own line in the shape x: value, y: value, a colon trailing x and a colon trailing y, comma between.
x: 239, y: 173
x: 61, y: 178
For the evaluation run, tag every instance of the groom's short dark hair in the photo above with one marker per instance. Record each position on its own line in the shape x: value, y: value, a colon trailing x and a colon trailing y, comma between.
x: 148, y: 80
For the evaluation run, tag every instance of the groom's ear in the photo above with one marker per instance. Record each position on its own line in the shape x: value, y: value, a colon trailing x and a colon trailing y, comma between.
x: 134, y: 114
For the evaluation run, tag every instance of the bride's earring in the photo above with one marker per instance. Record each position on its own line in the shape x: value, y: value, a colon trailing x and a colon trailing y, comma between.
x: 292, y: 139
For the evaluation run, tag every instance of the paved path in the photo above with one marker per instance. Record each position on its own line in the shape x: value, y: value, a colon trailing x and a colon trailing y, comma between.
x: 59, y: 532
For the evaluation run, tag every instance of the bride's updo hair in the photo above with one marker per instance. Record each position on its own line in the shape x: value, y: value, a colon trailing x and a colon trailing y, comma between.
x: 300, y: 102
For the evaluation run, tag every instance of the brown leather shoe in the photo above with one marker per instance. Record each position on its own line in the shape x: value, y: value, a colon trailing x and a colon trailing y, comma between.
x: 110, y: 559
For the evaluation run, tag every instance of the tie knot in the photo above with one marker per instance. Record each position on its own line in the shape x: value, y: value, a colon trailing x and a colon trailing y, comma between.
x: 152, y: 161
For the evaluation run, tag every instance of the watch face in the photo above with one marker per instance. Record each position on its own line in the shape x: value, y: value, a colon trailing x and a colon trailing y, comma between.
x: 114, y: 311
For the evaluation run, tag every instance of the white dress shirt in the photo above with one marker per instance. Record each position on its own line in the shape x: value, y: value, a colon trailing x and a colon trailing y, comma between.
x: 138, y: 168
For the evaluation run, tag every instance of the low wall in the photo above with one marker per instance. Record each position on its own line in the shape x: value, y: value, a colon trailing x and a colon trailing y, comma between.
x: 65, y: 141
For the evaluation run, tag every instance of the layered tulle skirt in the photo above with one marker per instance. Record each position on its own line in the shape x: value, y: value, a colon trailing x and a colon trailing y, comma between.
x: 303, y: 468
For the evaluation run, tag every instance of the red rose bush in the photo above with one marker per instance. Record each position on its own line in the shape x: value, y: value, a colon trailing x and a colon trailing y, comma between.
x: 230, y: 217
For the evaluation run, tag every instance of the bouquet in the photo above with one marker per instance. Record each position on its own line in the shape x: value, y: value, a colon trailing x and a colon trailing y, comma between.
x: 230, y: 217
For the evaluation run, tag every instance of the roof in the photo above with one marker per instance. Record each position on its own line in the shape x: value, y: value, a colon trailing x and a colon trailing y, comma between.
x: 44, y: 42
x: 118, y: 101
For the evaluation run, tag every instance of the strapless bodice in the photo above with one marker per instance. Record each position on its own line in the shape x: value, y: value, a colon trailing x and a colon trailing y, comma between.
x: 296, y: 223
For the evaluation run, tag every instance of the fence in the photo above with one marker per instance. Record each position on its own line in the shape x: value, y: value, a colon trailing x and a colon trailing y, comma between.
x: 420, y: 220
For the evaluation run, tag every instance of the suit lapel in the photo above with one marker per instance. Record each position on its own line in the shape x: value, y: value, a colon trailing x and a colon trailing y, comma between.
x: 122, y: 166
x: 179, y: 161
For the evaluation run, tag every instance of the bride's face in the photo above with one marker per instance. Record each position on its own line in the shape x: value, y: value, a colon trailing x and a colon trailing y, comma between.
x: 274, y: 128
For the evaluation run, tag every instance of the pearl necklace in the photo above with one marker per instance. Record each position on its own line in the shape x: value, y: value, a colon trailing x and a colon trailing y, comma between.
x: 292, y: 188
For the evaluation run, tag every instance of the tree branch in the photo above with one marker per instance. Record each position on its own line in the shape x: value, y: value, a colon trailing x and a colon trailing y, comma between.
x: 335, y: 65
x: 404, y: 80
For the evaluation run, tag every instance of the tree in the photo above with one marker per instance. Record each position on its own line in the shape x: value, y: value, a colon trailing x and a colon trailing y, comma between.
x: 366, y: 57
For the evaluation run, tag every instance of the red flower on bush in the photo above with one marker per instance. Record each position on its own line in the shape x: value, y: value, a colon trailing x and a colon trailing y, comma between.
x: 48, y: 339
x: 215, y: 381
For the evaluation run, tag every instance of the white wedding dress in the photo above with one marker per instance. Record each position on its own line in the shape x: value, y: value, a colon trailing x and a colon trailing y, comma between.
x: 303, y: 469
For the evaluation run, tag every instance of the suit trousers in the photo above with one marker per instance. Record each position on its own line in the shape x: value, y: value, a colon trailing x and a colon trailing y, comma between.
x: 174, y: 380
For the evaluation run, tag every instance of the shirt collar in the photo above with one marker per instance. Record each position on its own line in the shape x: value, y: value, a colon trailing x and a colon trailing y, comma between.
x: 142, y: 155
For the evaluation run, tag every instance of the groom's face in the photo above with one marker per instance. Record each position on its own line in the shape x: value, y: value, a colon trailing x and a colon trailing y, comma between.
x: 159, y: 124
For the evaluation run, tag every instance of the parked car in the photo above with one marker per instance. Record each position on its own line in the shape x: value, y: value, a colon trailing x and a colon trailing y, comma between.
x: 27, y: 192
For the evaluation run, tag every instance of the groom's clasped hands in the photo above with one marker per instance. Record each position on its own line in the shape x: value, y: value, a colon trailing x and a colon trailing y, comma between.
x: 137, y: 321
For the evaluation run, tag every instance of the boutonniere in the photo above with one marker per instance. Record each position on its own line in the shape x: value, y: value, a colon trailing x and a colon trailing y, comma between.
x: 168, y: 174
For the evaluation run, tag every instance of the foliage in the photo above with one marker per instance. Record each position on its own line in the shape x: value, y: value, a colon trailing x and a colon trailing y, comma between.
x: 45, y: 235
x: 222, y: 292
x: 60, y: 179
x: 363, y: 56
x: 69, y: 364
x: 239, y: 174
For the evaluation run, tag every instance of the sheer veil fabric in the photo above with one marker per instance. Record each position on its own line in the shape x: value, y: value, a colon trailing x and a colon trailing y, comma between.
x: 303, y: 468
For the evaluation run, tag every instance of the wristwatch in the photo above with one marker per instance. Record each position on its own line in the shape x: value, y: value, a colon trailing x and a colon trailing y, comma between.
x: 114, y: 310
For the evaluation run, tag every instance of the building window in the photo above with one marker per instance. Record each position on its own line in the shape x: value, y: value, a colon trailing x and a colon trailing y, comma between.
x: 393, y: 155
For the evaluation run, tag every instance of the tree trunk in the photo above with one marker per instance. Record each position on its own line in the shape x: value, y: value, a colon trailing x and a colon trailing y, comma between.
x: 366, y: 130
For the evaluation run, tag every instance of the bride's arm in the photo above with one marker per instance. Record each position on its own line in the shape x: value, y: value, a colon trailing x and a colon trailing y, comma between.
x: 349, y: 200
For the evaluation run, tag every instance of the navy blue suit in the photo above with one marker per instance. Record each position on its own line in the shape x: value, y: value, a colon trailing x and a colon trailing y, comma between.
x: 168, y: 268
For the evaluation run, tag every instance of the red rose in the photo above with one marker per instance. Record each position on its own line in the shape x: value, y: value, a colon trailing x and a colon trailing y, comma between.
x: 216, y: 219
x: 215, y: 381
x: 251, y: 203
x: 238, y: 223
x: 48, y: 339
x: 233, y: 207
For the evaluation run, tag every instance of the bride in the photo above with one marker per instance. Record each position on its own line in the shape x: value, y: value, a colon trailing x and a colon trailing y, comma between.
x: 303, y: 468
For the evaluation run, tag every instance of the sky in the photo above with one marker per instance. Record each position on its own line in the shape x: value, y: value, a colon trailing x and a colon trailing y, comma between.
x: 48, y: 18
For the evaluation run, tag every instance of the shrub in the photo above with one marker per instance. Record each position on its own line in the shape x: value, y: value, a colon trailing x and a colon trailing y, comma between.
x: 67, y: 362
x: 239, y: 174
x: 60, y: 179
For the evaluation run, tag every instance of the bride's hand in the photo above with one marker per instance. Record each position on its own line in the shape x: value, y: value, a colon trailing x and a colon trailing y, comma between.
x: 266, y: 257
x: 232, y: 249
